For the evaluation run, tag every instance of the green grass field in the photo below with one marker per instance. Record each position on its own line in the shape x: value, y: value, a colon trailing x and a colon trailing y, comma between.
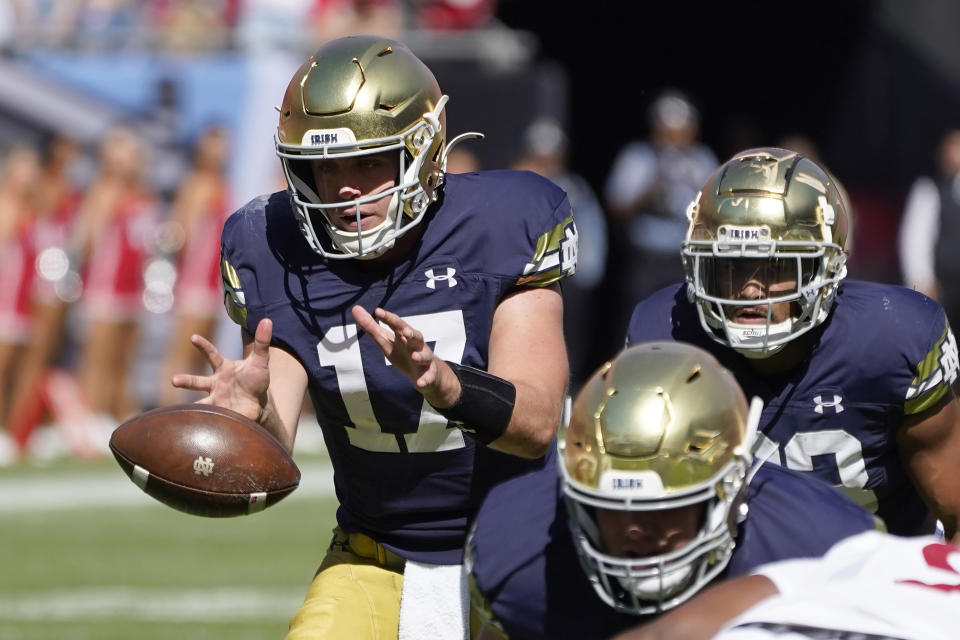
x: 86, y: 555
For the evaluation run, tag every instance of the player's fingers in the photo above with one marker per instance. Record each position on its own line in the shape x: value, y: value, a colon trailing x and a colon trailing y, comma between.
x: 261, y: 339
x: 382, y: 335
x: 413, y: 338
x: 192, y: 382
x: 364, y: 320
x: 428, y: 378
x: 392, y: 320
x: 423, y: 356
x: 214, y: 357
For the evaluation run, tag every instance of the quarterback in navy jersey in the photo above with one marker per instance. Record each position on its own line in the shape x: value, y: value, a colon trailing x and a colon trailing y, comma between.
x: 856, y: 377
x: 420, y: 310
x: 656, y: 497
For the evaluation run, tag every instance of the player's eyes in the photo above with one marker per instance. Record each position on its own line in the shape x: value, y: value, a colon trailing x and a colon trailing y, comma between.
x: 372, y: 162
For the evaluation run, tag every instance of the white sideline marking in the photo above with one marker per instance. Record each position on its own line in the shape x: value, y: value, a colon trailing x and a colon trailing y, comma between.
x: 88, y: 489
x: 128, y: 603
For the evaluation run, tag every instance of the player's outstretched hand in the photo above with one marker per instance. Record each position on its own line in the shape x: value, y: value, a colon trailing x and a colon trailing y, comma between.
x: 240, y: 385
x: 406, y: 349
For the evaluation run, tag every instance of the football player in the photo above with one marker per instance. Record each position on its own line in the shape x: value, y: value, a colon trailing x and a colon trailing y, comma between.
x: 871, y: 586
x: 657, y: 496
x: 420, y: 310
x: 855, y: 376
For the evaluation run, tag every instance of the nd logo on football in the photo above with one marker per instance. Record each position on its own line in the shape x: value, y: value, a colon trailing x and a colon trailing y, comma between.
x: 203, y: 466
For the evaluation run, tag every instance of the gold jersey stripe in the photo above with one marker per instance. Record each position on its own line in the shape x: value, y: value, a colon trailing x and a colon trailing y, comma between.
x: 552, y: 259
x: 481, y: 615
x: 233, y: 298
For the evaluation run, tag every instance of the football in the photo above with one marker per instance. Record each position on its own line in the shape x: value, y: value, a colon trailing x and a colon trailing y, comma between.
x: 204, y: 460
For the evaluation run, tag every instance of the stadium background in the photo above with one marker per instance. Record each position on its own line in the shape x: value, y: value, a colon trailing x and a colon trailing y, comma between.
x: 873, y: 83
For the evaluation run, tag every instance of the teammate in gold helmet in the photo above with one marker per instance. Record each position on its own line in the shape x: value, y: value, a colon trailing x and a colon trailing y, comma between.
x: 653, y: 495
x: 422, y: 312
x: 856, y: 377
x: 777, y: 221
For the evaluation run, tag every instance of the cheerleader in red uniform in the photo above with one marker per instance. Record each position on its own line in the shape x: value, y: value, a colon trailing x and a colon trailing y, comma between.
x: 199, y: 209
x: 115, y: 231
x: 42, y: 390
x: 19, y: 181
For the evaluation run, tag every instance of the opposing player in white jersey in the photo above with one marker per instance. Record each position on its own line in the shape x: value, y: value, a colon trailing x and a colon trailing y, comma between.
x: 871, y: 586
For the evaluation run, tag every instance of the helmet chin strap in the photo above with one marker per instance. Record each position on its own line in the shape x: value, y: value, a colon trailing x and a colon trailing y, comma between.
x: 658, y: 588
x: 738, y: 341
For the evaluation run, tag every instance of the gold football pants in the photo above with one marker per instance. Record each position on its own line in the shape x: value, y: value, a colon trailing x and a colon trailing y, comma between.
x: 355, y: 593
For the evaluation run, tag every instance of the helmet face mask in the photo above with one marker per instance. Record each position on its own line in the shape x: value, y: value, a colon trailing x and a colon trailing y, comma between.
x: 765, y: 206
x: 655, y: 583
x: 355, y: 97
x: 661, y: 428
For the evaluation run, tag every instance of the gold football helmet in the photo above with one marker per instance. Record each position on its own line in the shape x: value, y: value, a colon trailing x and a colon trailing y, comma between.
x: 661, y: 426
x: 358, y: 96
x: 778, y: 218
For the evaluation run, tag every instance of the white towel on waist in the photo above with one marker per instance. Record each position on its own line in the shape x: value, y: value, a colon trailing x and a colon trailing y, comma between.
x: 433, y: 603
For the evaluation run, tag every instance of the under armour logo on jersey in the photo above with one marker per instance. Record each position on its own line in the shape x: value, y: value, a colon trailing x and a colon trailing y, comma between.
x: 835, y: 404
x: 434, y: 278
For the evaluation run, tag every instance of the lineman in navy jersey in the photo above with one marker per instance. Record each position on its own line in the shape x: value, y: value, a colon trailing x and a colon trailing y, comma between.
x: 856, y: 377
x: 657, y: 498
x: 420, y: 310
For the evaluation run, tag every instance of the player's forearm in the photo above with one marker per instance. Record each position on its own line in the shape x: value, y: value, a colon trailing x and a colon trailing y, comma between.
x: 284, y: 430
x: 518, y: 419
x: 533, y: 424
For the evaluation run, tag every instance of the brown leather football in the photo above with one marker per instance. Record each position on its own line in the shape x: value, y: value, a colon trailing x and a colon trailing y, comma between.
x: 204, y: 460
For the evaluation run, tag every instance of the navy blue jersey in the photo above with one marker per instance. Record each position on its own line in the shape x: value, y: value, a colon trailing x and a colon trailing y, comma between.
x: 885, y: 352
x: 403, y: 475
x: 525, y: 573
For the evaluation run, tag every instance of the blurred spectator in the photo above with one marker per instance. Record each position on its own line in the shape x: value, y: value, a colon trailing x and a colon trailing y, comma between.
x: 114, y: 233
x: 193, y: 25
x: 332, y: 19
x: 545, y: 147
x: 650, y: 185
x: 19, y: 184
x: 193, y: 231
x: 271, y: 23
x: 930, y: 231
x: 801, y: 144
x: 462, y: 160
x: 454, y: 15
x: 110, y: 23
x: 39, y: 22
x: 11, y: 20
